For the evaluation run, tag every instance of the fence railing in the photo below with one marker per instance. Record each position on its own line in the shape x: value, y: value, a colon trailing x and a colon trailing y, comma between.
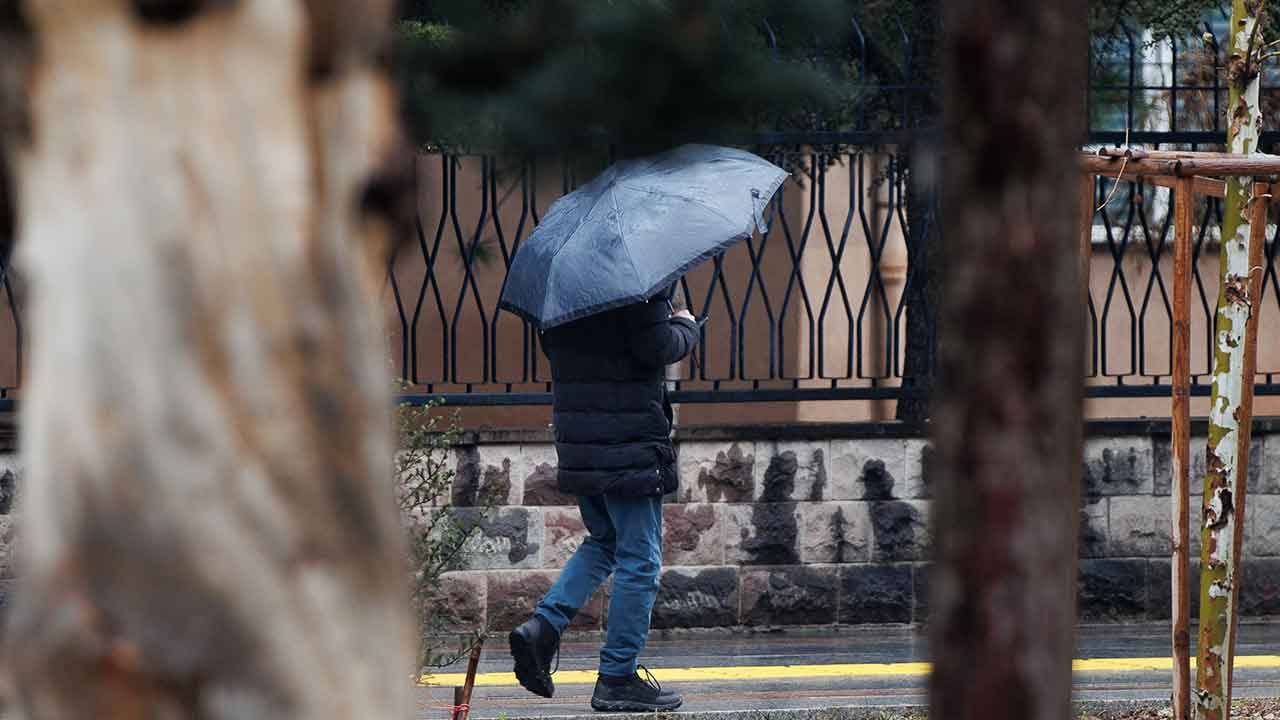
x: 836, y: 300
x: 1130, y: 301
x: 819, y: 306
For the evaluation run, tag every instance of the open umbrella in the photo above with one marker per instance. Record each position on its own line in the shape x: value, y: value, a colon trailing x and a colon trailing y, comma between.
x: 635, y: 229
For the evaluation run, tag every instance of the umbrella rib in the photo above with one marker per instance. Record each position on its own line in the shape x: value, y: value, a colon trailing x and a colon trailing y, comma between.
x: 581, y: 222
x: 617, y: 221
x: 695, y: 201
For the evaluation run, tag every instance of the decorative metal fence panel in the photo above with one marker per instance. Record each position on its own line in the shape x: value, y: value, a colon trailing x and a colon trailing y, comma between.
x: 816, y: 307
x: 836, y: 299
x: 1130, y: 301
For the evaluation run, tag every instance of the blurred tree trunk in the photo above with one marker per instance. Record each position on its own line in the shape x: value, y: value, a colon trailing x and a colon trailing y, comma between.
x: 1230, y: 405
x: 923, y: 291
x: 202, y: 203
x: 1007, y: 420
x: 923, y: 288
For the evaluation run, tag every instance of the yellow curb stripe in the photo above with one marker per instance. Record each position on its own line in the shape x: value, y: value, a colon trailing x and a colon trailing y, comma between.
x: 746, y: 673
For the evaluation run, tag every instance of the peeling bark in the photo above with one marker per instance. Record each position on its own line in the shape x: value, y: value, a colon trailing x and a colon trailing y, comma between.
x: 1007, y: 422
x: 210, y: 526
x: 1224, y: 485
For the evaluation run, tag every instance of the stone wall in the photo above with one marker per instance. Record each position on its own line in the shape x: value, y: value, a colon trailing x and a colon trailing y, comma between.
x: 813, y: 525
x: 784, y: 531
x: 9, y: 474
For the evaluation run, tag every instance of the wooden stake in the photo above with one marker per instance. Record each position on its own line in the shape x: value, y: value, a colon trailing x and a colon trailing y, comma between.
x: 1088, y: 207
x: 1181, y: 447
x: 472, y: 663
x: 459, y: 699
x: 1087, y: 211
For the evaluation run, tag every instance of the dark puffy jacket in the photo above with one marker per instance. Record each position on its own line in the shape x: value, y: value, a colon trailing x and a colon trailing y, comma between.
x: 612, y: 419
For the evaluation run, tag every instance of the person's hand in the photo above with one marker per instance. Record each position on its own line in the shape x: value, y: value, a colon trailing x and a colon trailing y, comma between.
x: 684, y: 314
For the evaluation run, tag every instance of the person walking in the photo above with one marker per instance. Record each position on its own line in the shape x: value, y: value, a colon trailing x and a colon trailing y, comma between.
x: 613, y: 437
x: 597, y: 277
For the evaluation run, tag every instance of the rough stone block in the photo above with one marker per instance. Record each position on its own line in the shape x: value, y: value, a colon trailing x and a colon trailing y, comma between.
x: 920, y: 592
x: 697, y: 597
x: 1093, y: 527
x: 7, y: 588
x: 1140, y: 526
x: 835, y: 532
x: 1268, y: 465
x: 1193, y: 525
x: 1112, y: 589
x: 716, y: 472
x: 564, y: 532
x: 918, y: 485
x: 692, y: 535
x: 457, y: 605
x: 1195, y: 518
x: 791, y: 471
x: 870, y: 470
x: 8, y: 546
x: 487, y: 475
x: 1260, y: 587
x: 1160, y: 589
x: 505, y: 538
x: 762, y: 534
x: 875, y: 594
x: 536, y: 468
x: 1257, y: 460
x: 1163, y: 464
x: 1118, y: 466
x: 8, y: 489
x: 513, y: 596
x: 899, y: 530
x: 1262, y: 526
x: 789, y: 596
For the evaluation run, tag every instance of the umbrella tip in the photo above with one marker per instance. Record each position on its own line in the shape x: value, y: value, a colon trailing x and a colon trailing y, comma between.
x: 758, y: 211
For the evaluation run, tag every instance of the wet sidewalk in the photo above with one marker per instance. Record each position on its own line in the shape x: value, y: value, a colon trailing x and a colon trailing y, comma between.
x: 847, y: 673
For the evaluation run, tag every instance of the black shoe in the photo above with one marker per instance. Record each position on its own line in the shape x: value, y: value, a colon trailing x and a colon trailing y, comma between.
x: 633, y: 694
x: 533, y: 645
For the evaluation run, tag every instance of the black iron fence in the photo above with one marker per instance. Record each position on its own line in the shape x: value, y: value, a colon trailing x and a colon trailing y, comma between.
x: 830, y: 303
x: 836, y: 300
x: 1129, y: 305
x: 819, y: 306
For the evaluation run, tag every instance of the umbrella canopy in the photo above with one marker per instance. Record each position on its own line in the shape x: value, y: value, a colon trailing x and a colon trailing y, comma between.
x: 635, y: 229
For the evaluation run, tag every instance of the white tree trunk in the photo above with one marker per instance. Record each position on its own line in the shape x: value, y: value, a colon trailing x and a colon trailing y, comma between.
x: 1231, y: 401
x: 210, y: 525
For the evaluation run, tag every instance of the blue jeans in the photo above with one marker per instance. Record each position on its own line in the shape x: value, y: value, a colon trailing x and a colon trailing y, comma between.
x: 625, y: 539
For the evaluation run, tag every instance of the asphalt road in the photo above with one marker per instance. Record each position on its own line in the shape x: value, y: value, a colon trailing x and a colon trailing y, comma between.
x: 854, y: 668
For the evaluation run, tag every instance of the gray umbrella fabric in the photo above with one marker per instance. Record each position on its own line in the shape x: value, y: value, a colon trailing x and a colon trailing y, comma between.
x: 635, y: 229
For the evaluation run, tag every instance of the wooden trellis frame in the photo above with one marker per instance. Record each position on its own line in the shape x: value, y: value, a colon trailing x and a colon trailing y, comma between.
x: 1190, y: 174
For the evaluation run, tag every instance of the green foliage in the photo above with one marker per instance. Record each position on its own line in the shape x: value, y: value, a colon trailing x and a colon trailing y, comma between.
x: 557, y: 76
x: 437, y: 536
x: 900, y: 40
x: 550, y: 75
x: 430, y: 34
x: 1165, y: 18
